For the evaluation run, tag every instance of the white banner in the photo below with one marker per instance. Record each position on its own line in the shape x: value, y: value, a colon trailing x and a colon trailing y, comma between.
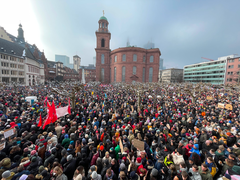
x: 62, y: 111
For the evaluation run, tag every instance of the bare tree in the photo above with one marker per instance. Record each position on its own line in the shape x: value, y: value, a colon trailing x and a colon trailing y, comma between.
x: 70, y: 90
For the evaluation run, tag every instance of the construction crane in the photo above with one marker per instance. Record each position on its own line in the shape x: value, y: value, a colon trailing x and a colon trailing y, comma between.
x: 207, y: 59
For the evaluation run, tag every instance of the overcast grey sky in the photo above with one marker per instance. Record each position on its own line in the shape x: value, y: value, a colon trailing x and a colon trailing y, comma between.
x: 184, y: 31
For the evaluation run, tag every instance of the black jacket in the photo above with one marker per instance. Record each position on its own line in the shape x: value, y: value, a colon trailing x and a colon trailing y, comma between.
x: 69, y: 168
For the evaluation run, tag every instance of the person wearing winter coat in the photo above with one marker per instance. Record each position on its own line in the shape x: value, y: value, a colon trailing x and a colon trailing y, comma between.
x: 160, y: 163
x: 107, y: 157
x: 66, y: 141
x: 177, y: 159
x: 194, y: 174
x: 33, y: 167
x: 95, y: 156
x: 110, y: 175
x: 69, y: 167
x: 58, y: 174
x: 204, y: 172
x: 95, y: 176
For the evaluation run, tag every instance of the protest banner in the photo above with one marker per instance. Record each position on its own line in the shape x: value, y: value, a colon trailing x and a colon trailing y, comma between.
x: 2, y: 146
x: 221, y: 105
x: 8, y: 133
x: 62, y: 111
x: 138, y: 144
x: 228, y: 107
x: 209, y: 98
x: 121, y: 145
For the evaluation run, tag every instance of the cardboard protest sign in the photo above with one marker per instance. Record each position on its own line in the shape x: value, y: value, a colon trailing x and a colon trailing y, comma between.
x: 2, y: 146
x: 228, y: 107
x: 209, y: 98
x: 221, y: 105
x: 121, y: 145
x: 138, y: 144
x: 8, y: 133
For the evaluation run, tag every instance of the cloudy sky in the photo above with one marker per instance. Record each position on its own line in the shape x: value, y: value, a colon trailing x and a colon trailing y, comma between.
x: 184, y: 31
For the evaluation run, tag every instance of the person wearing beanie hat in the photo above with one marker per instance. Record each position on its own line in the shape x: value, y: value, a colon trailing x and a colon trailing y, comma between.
x: 139, y: 164
x: 66, y: 141
x: 122, y: 167
x: 134, y: 176
x: 154, y: 172
x: 33, y: 152
x: 69, y: 167
x: 96, y: 176
x: 7, y: 175
x: 40, y: 169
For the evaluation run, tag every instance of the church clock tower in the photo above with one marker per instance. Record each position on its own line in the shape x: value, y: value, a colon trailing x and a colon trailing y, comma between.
x: 103, y: 51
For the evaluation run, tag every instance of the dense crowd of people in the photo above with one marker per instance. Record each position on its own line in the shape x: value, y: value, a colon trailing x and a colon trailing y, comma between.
x: 182, y: 140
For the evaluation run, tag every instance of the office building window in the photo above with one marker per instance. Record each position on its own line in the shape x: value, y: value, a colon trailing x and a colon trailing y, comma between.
x: 124, y: 57
x: 135, y: 57
x: 134, y: 70
x: 150, y: 74
x: 102, y: 58
x: 151, y: 59
x: 230, y: 66
x: 239, y: 66
x: 123, y: 74
x: 115, y: 59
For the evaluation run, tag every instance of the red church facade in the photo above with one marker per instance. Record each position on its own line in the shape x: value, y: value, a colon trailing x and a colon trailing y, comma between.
x: 127, y: 64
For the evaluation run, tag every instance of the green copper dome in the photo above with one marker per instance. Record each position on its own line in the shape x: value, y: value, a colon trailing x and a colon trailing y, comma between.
x: 103, y: 18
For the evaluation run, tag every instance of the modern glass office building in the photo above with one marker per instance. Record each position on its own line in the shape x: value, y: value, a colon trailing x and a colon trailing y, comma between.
x: 207, y: 72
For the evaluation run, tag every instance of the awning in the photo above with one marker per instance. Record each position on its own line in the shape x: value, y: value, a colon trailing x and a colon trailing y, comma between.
x: 51, y: 71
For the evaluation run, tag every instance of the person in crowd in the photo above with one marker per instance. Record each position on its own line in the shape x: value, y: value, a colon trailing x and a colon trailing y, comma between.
x: 113, y: 133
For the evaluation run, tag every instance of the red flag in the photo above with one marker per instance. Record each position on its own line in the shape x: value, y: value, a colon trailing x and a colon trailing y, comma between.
x: 40, y: 121
x: 69, y: 106
x: 54, y: 114
x: 49, y: 116
x: 44, y: 102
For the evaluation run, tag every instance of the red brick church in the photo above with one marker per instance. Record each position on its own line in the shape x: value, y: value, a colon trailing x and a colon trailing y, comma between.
x: 126, y: 64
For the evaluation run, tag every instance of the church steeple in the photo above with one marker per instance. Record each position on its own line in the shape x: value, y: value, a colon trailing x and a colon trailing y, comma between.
x: 103, y: 24
x: 20, y: 34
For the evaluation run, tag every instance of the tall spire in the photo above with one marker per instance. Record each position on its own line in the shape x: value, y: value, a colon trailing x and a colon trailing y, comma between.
x: 20, y: 34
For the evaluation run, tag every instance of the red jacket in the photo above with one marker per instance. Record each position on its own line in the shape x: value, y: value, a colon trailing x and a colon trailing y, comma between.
x: 94, y: 159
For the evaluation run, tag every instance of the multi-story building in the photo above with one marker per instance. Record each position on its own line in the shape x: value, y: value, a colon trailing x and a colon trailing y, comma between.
x: 12, y: 62
x: 171, y: 75
x: 127, y: 64
x: 232, y: 70
x: 23, y: 66
x: 213, y: 72
x: 76, y: 62
x: 64, y: 59
x: 70, y: 74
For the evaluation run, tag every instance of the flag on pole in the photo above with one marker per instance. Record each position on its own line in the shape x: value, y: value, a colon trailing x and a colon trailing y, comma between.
x: 40, y: 121
x: 54, y: 114
x: 69, y: 106
x: 49, y: 116
x: 45, y: 101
